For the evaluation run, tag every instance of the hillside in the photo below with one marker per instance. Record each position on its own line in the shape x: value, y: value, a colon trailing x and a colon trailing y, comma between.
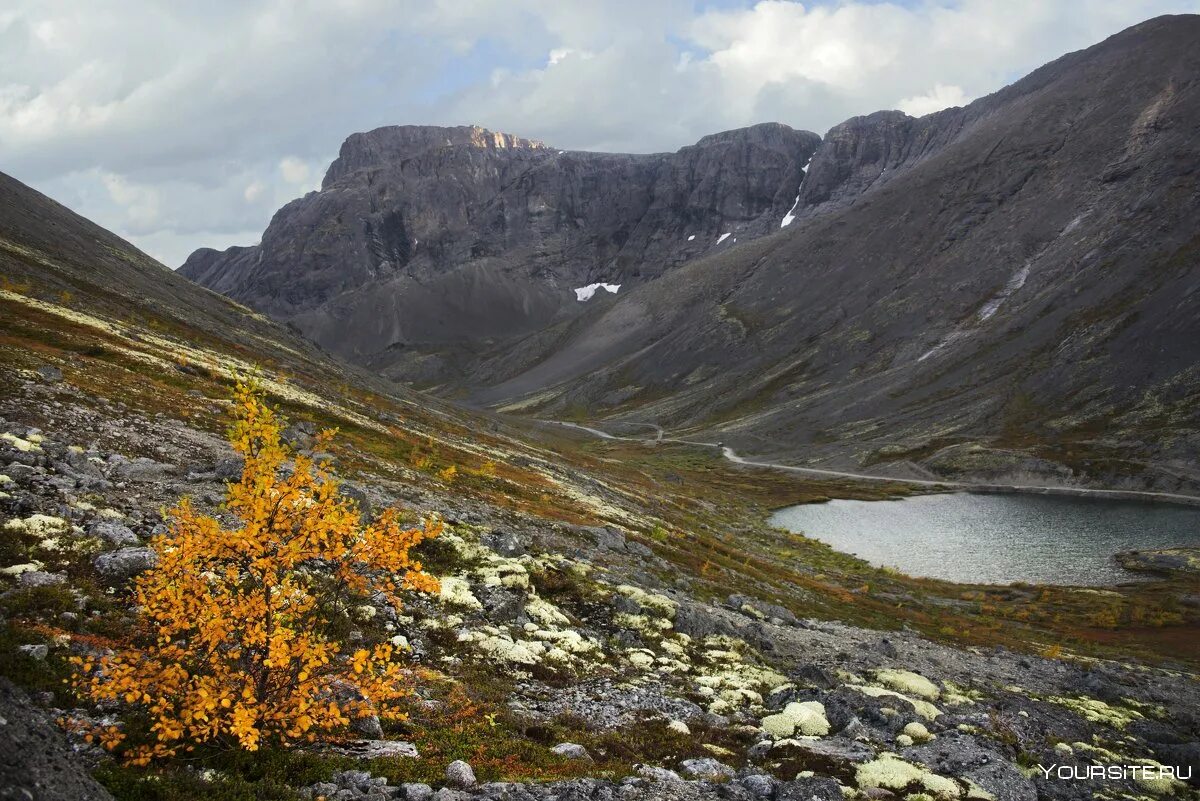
x: 996, y: 290
x: 615, y: 618
x: 1002, y: 291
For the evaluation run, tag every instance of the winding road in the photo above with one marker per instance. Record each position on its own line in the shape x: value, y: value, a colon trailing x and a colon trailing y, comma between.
x: 731, y: 455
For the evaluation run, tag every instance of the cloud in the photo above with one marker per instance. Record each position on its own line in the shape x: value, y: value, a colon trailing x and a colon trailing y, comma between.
x: 293, y: 170
x: 180, y: 125
x: 141, y: 203
x: 253, y: 191
x: 939, y: 97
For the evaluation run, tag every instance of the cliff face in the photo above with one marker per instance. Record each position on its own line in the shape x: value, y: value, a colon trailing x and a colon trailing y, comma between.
x: 1017, y: 275
x: 990, y: 289
x: 424, y: 236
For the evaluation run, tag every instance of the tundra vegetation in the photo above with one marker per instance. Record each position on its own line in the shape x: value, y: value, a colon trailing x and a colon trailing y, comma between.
x: 236, y: 637
x: 591, y: 594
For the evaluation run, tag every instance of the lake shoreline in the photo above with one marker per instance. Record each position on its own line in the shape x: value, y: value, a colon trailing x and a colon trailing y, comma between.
x: 999, y: 537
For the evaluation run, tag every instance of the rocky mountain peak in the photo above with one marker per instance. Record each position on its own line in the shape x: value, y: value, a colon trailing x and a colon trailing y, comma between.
x: 417, y: 228
x: 393, y: 143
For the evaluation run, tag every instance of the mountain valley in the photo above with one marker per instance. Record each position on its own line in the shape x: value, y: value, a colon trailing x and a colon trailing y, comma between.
x: 595, y: 380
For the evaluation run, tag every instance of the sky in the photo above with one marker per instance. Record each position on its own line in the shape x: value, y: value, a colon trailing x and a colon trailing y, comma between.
x: 181, y: 124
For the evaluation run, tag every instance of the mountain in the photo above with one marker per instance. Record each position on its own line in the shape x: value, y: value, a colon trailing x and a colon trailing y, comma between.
x: 1003, y: 289
x: 424, y: 241
x: 1006, y: 287
x: 626, y: 600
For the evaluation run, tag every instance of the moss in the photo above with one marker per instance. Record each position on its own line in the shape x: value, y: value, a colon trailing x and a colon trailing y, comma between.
x: 908, y: 683
x: 917, y: 732
x: 1097, y: 711
x: 940, y: 786
x: 659, y: 605
x: 806, y: 718
x: 457, y: 592
x: 889, y: 772
x: 923, y: 708
x: 23, y: 445
x: 544, y: 612
x: 38, y: 525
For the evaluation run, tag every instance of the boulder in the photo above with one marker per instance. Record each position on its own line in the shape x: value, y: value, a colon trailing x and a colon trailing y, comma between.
x: 36, y: 761
x: 416, y: 791
x: 809, y: 788
x: 125, y: 563
x: 39, y: 578
x: 114, y: 533
x: 459, y: 774
x: 706, y: 768
x: 38, y: 651
x: 656, y: 774
x: 571, y: 751
x: 760, y: 785
x: 504, y: 543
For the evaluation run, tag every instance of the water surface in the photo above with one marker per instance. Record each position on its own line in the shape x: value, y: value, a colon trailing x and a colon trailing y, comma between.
x: 997, y: 539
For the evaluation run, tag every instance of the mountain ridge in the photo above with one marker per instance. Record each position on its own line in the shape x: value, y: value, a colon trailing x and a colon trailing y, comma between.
x: 872, y: 328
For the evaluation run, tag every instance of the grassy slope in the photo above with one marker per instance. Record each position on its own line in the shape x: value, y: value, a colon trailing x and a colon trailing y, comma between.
x: 706, y: 517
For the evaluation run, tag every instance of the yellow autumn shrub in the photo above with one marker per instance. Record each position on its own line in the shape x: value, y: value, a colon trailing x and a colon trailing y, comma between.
x: 237, y: 626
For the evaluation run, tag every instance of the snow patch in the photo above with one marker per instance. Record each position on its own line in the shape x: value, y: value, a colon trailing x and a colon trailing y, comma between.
x: 723, y: 237
x: 584, y: 293
x: 1016, y: 282
x: 690, y: 238
x: 988, y: 309
x: 790, y: 217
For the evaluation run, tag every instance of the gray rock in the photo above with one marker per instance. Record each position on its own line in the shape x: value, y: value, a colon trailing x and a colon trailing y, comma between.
x: 368, y: 726
x: 373, y: 749
x: 352, y: 779
x: 124, y: 564
x: 571, y: 751
x: 139, y: 469
x: 459, y: 774
x: 759, y: 750
x: 816, y: 676
x: 416, y: 791
x: 608, y: 538
x: 40, y: 578
x: 36, y: 762
x: 504, y: 543
x: 657, y: 774
x: 114, y: 533
x: 706, y: 768
x: 50, y: 374
x: 359, y: 496
x: 38, y: 651
x: 835, y: 752
x: 299, y: 434
x: 451, y: 794
x: 229, y: 469
x: 813, y: 788
x: 760, y: 785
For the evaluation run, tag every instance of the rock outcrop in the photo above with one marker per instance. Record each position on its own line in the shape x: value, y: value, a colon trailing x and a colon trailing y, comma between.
x: 425, y: 239
x: 36, y: 762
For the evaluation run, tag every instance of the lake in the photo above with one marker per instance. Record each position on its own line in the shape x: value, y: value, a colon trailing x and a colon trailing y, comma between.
x: 997, y: 539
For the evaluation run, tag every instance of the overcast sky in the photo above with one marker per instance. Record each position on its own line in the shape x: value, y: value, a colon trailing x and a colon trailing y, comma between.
x: 180, y: 124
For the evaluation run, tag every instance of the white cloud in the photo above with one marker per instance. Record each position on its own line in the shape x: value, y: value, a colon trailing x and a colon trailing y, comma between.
x: 939, y: 97
x: 293, y: 170
x: 181, y: 125
x: 253, y: 191
x: 141, y: 203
